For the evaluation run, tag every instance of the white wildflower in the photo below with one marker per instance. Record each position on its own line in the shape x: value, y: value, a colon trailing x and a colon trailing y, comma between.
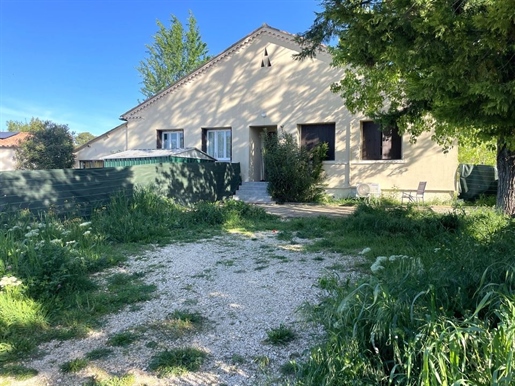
x: 32, y: 233
x: 9, y: 280
x: 85, y: 224
x: 14, y: 228
x: 56, y: 241
x: 366, y: 250
x: 436, y: 250
x: 72, y: 242
x: 398, y: 257
x: 377, y: 266
x: 66, y: 233
x: 87, y: 233
x: 41, y: 225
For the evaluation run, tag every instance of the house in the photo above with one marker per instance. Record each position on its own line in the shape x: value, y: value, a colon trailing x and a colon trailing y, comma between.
x: 224, y: 107
x: 9, y: 142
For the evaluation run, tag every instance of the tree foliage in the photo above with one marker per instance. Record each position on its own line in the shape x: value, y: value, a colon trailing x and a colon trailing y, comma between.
x: 294, y: 174
x: 173, y: 54
x: 480, y: 154
x: 83, y: 138
x: 34, y: 125
x: 47, y: 148
x: 445, y: 66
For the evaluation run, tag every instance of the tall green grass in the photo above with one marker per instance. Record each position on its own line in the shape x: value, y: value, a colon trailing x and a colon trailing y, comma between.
x: 46, y: 261
x: 437, y: 308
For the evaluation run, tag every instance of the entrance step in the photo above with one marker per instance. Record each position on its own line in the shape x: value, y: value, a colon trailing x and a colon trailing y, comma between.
x: 253, y: 193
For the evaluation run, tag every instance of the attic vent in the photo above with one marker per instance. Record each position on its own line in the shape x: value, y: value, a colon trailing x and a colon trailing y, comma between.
x: 265, y: 62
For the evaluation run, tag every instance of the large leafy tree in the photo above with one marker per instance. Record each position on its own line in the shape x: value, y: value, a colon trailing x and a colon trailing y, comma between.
x: 445, y: 66
x: 48, y: 148
x: 173, y: 54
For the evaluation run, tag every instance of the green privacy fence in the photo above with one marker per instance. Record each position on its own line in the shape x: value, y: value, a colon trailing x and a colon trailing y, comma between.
x: 150, y: 160
x: 81, y: 190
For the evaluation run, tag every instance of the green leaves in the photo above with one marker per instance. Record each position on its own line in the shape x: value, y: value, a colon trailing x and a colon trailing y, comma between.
x: 451, y: 59
x: 49, y: 147
x: 173, y: 54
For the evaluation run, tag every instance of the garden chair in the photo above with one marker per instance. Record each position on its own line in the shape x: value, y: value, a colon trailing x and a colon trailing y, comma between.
x: 415, y: 195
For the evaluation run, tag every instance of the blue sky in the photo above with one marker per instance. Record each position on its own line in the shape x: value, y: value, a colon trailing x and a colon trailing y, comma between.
x: 74, y: 61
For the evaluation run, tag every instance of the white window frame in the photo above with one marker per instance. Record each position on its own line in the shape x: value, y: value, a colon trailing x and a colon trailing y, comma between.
x: 179, y: 139
x: 222, y: 151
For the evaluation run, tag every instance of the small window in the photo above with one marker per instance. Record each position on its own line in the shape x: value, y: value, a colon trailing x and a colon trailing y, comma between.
x: 173, y: 139
x: 380, y: 144
x: 312, y: 135
x: 217, y: 143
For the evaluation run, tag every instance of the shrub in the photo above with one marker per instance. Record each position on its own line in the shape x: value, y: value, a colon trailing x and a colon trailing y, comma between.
x: 294, y: 174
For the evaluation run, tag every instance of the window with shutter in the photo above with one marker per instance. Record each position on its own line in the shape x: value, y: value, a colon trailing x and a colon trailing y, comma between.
x: 312, y: 135
x: 377, y: 144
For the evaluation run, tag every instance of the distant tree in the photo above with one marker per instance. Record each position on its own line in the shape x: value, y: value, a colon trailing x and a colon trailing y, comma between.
x: 34, y: 125
x: 48, y: 148
x: 480, y: 154
x: 83, y: 138
x: 443, y: 66
x: 173, y: 54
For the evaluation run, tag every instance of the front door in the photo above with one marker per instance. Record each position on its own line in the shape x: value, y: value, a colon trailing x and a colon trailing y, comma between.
x: 257, y: 170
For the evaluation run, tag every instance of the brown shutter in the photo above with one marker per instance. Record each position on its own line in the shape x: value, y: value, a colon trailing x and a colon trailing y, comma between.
x: 312, y: 135
x: 204, y: 140
x: 391, y: 144
x: 371, y: 141
x: 159, y: 143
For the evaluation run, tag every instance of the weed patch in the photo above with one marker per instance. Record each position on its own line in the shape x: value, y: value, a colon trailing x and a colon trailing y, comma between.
x: 177, y: 361
x: 74, y: 366
x: 123, y: 339
x: 19, y: 373
x: 281, y: 335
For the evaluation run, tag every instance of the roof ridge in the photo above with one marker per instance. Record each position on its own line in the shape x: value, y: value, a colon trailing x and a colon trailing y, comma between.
x: 265, y: 28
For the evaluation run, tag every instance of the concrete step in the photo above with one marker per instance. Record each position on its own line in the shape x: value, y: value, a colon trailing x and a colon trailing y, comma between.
x: 253, y: 192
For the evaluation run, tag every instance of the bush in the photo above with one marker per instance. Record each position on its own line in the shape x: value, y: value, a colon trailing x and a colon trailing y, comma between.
x: 294, y: 174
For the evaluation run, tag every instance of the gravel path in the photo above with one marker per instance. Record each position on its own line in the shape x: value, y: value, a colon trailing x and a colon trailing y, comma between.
x: 243, y: 285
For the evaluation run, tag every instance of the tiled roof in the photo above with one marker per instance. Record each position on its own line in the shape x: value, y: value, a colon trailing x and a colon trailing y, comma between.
x: 14, y: 140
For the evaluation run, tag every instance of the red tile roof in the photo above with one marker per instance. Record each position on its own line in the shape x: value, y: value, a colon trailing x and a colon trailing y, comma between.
x: 14, y: 140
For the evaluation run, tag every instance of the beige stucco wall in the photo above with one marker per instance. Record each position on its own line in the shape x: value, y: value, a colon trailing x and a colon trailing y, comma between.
x: 7, y: 159
x: 237, y: 92
x: 111, y: 142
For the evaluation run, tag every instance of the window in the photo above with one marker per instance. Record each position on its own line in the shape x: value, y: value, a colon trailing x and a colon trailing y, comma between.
x: 217, y: 143
x: 312, y: 135
x: 380, y: 145
x: 170, y: 139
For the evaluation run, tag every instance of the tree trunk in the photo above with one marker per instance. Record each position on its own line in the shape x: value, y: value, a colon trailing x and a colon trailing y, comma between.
x: 506, y: 182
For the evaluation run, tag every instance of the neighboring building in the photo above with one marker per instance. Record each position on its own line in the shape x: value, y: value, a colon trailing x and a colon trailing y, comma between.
x: 9, y: 141
x: 225, y: 106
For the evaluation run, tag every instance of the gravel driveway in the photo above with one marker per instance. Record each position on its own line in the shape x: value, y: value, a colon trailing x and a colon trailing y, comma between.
x: 244, y: 285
